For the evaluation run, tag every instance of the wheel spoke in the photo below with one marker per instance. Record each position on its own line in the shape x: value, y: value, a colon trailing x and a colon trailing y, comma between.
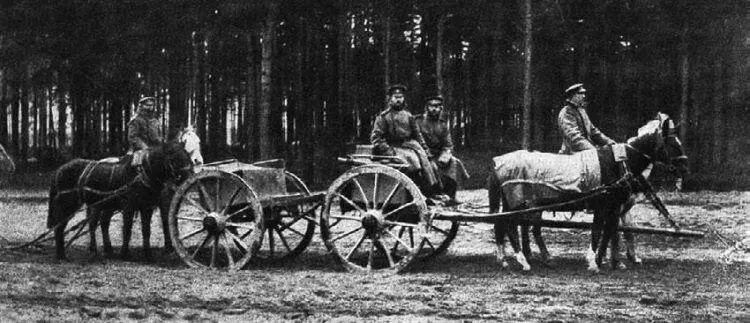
x: 240, y: 225
x: 387, y: 253
x: 204, y: 196
x: 352, y: 204
x: 189, y: 218
x: 347, y: 234
x: 237, y: 240
x: 215, y: 252
x: 361, y: 191
x: 288, y: 227
x: 439, y: 229
x: 283, y: 240
x: 185, y: 237
x: 427, y: 241
x: 243, y: 209
x: 400, y: 208
x: 371, y: 256
x: 349, y: 254
x: 408, y: 248
x: 218, y: 193
x: 390, y: 195
x: 228, y: 249
x: 195, y: 204
x: 203, y: 243
x: 231, y: 200
x: 402, y: 224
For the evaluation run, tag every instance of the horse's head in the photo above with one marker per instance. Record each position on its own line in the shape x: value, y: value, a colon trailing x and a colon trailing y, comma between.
x: 667, y: 147
x: 192, y: 144
x: 173, y: 162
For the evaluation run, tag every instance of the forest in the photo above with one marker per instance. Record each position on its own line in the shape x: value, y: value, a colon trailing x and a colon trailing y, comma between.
x: 303, y: 80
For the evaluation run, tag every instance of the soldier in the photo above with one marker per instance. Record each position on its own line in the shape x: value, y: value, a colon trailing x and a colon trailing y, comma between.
x: 396, y: 133
x: 437, y: 135
x: 577, y: 130
x: 144, y: 130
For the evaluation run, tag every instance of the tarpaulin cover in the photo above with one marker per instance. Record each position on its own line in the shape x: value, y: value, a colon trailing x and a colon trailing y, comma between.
x: 575, y: 173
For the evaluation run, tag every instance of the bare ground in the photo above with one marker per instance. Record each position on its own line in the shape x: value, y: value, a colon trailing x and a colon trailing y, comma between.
x: 680, y: 279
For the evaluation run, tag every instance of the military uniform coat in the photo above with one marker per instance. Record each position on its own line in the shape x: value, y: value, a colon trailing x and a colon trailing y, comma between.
x: 144, y: 132
x: 399, y: 130
x: 437, y: 135
x: 577, y: 130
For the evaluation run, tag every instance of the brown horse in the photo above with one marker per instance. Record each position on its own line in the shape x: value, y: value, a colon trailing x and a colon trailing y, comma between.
x: 105, y: 187
x: 656, y: 142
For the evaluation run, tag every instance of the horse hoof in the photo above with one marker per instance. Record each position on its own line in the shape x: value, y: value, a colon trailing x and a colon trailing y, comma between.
x: 526, y: 268
x: 621, y: 266
x: 593, y: 270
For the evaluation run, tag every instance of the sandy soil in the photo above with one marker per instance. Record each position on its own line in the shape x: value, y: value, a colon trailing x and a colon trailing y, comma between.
x: 680, y: 279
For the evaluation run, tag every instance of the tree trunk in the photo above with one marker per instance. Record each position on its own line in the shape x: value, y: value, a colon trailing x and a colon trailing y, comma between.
x: 24, y: 98
x: 685, y: 83
x: 527, y: 76
x: 265, y: 138
x: 440, y: 82
x: 387, y: 50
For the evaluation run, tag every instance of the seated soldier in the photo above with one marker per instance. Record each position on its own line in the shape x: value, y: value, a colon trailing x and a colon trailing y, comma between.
x: 396, y: 133
x: 437, y: 135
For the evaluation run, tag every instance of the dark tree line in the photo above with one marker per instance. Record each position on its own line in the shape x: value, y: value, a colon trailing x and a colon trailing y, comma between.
x: 303, y: 80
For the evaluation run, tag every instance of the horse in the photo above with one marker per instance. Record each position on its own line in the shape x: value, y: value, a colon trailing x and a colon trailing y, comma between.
x: 656, y: 142
x: 106, y: 186
x: 191, y: 144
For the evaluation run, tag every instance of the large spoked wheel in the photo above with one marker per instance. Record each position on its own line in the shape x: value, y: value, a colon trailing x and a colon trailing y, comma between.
x: 290, y: 226
x: 216, y: 221
x: 366, y: 212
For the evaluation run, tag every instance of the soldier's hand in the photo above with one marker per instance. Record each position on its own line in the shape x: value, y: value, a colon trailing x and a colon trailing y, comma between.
x: 444, y: 159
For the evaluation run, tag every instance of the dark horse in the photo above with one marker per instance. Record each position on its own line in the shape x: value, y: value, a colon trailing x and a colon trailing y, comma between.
x: 105, y: 187
x: 656, y: 142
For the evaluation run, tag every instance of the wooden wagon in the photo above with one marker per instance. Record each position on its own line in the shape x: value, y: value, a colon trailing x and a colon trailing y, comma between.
x: 372, y: 217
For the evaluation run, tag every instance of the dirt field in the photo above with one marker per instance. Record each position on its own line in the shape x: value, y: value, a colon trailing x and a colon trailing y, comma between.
x: 680, y: 279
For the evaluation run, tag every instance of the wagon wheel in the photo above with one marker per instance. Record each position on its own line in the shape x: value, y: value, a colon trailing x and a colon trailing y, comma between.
x: 289, y: 228
x: 372, y: 204
x: 215, y: 221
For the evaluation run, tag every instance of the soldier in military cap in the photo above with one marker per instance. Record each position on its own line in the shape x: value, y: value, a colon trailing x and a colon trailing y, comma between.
x: 437, y: 135
x: 144, y: 130
x: 577, y: 130
x: 396, y: 133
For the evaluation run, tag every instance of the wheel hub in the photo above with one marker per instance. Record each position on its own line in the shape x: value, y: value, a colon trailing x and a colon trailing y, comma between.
x: 372, y: 222
x: 214, y: 223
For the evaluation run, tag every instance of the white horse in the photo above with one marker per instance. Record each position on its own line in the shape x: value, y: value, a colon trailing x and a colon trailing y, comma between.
x: 192, y: 144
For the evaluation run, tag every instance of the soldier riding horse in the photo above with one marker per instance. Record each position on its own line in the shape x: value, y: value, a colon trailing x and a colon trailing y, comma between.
x: 617, y: 166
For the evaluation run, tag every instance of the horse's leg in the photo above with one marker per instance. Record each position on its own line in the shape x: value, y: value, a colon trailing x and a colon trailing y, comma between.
x: 146, y: 232
x: 127, y: 229
x: 92, y: 215
x: 513, y: 238
x: 537, y: 231
x: 493, y: 191
x: 610, y: 218
x: 591, y: 250
x: 629, y: 236
x: 500, y: 232
x: 105, y: 219
x: 525, y: 241
x: 165, y: 199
